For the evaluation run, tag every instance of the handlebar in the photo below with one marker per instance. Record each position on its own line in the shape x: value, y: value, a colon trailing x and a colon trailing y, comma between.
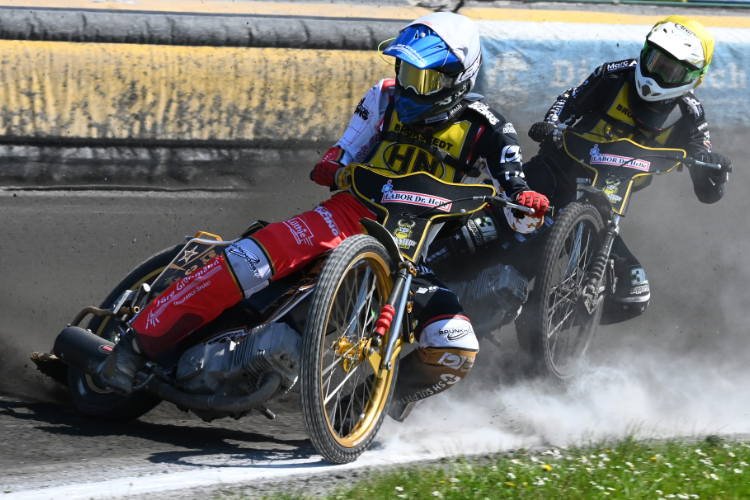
x: 691, y: 162
x: 500, y: 202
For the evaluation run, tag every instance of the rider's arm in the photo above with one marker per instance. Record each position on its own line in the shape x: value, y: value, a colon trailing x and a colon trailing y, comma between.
x: 498, y: 146
x: 696, y: 140
x: 362, y: 134
x: 577, y: 101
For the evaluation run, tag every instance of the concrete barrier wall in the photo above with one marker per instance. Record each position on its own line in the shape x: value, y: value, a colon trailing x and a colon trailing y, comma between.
x: 165, y: 102
x: 131, y: 92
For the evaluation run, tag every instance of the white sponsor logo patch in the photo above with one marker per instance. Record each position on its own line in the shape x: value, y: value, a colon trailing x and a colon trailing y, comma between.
x: 300, y: 231
x: 409, y: 198
x: 597, y: 158
x: 508, y: 128
x: 248, y: 257
x: 511, y: 154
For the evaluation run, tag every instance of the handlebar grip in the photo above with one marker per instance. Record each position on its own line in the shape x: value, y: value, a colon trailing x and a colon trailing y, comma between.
x: 692, y: 162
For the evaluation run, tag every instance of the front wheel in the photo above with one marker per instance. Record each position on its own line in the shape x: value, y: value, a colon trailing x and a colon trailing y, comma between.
x: 344, y: 394
x: 89, y: 397
x: 561, y: 329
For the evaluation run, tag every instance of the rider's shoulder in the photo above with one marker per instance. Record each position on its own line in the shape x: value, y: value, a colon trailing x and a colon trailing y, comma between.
x: 481, y: 111
x: 609, y: 68
x: 692, y: 106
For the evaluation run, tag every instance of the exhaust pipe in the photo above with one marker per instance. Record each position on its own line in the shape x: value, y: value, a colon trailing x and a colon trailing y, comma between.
x: 85, y: 351
x: 81, y: 349
x: 215, y: 402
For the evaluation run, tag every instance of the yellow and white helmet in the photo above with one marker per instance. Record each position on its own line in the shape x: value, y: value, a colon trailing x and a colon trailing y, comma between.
x: 674, y: 59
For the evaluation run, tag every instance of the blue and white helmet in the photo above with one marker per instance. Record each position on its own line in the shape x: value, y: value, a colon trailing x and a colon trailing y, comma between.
x: 437, y: 61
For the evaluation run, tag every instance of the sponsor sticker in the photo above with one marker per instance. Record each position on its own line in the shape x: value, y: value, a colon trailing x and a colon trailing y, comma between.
x: 639, y: 289
x: 248, y: 257
x: 611, y: 189
x: 597, y: 158
x: 403, y: 235
x: 390, y: 195
x: 189, y: 254
x: 300, y: 231
x: 508, y: 128
x: 455, y: 333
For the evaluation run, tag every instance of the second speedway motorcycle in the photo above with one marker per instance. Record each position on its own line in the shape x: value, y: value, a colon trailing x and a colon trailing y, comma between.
x: 338, y: 322
x: 569, y: 257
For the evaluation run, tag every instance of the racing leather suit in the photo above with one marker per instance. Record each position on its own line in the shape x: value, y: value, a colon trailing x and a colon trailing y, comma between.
x: 479, y: 138
x: 607, y: 106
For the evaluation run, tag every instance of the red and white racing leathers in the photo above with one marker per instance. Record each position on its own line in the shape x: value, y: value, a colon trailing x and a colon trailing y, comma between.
x: 447, y: 344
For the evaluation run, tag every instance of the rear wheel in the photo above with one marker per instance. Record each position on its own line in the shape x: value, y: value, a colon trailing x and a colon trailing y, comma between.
x: 90, y: 398
x: 344, y: 394
x: 561, y: 329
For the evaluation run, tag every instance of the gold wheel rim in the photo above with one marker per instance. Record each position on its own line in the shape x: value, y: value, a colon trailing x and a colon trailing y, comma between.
x: 378, y: 395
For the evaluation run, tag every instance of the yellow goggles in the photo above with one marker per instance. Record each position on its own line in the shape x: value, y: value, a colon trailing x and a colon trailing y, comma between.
x: 422, y: 81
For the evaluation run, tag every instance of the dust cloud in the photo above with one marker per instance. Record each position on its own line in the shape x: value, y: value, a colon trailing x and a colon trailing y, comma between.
x: 680, y: 370
x: 647, y: 397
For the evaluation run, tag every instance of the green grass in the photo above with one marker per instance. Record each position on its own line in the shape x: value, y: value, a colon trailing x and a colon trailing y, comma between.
x: 710, y: 469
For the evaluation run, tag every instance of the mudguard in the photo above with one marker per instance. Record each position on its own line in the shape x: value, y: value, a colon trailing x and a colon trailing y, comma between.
x: 381, y: 234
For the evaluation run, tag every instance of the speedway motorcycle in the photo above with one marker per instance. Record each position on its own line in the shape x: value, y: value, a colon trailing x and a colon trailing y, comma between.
x: 575, y: 271
x: 340, y: 321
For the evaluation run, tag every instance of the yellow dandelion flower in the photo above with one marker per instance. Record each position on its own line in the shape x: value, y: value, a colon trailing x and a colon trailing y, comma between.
x: 546, y: 467
x: 510, y: 484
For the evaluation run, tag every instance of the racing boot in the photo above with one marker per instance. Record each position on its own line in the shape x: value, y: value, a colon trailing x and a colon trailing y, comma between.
x: 119, y: 369
x: 631, y: 297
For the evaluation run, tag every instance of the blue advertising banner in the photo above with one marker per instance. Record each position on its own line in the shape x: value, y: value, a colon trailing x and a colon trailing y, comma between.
x: 527, y: 65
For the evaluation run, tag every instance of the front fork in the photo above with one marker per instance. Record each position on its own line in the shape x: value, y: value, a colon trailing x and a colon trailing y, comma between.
x: 594, y: 291
x: 395, y: 310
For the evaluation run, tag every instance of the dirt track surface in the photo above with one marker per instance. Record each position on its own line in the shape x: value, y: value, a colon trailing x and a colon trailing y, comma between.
x: 63, y: 251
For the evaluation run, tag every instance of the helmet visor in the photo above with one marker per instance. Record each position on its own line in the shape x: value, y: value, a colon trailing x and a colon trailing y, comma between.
x: 670, y: 70
x: 422, y: 81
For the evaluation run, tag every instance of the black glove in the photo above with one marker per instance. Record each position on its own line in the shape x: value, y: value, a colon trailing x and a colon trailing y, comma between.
x: 718, y: 177
x: 542, y: 131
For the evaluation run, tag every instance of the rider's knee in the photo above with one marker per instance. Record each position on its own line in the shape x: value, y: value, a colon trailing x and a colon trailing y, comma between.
x: 449, y: 332
x: 632, y: 294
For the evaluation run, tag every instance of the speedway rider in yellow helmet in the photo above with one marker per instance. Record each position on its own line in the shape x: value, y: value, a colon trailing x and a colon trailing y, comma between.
x: 649, y: 100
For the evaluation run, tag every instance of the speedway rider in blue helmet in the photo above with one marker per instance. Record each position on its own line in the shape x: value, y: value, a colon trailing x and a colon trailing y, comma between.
x: 426, y: 119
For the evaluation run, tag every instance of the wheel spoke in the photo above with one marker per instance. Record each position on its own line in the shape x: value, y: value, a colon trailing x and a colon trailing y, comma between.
x: 337, y: 390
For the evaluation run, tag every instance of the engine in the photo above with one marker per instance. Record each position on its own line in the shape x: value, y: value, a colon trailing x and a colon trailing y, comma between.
x: 234, y: 363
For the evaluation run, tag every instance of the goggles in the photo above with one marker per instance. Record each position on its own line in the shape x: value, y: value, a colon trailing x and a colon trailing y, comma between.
x: 669, y: 69
x: 422, y: 81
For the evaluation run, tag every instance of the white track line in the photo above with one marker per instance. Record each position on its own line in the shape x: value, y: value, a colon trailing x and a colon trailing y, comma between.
x: 242, y: 470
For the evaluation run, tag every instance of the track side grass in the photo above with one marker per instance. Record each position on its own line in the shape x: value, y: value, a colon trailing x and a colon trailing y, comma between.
x: 710, y: 469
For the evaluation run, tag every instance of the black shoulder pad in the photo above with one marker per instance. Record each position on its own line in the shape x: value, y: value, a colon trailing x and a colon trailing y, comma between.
x: 614, y: 67
x: 694, y: 106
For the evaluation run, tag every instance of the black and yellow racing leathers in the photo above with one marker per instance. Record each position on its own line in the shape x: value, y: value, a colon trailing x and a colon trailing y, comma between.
x: 606, y: 106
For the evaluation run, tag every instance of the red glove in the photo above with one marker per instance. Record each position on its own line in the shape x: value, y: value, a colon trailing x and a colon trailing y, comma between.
x: 534, y: 200
x: 324, y: 173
